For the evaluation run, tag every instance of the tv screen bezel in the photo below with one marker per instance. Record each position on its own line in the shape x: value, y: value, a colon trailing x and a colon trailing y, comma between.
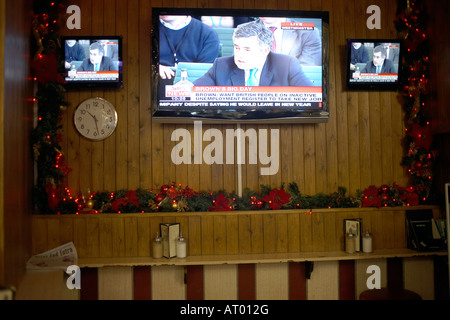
x: 95, y: 83
x: 304, y: 116
x: 373, y: 86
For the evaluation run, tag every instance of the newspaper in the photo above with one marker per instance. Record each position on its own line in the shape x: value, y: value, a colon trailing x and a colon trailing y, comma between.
x: 56, y: 259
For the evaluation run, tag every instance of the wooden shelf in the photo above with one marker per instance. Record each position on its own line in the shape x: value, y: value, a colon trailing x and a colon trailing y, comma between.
x: 253, y: 258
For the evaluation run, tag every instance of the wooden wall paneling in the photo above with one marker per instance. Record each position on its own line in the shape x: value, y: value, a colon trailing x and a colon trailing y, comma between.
x: 310, y: 159
x: 144, y: 237
x: 97, y: 174
x: 145, y: 120
x: 257, y: 233
x: 399, y: 240
x: 220, y: 234
x: 85, y: 145
x: 388, y: 229
x: 65, y: 230
x: 109, y: 159
x: 331, y: 127
x: 270, y: 233
x: 232, y: 225
x: 385, y: 164
x: 207, y: 225
x: 195, y: 236
x: 293, y: 230
x: 330, y: 235
x: 133, y: 95
x: 245, y: 234
x: 132, y: 239
x: 318, y: 231
x: 306, y: 236
x: 108, y: 236
x: 338, y: 50
x: 121, y: 148
x: 80, y: 237
x: 39, y: 228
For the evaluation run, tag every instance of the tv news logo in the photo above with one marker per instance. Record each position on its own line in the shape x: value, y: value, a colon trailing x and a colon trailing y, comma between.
x: 74, y: 280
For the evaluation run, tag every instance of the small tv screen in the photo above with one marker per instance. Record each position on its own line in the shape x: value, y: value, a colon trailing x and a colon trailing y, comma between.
x: 373, y: 64
x: 93, y: 61
x: 239, y: 65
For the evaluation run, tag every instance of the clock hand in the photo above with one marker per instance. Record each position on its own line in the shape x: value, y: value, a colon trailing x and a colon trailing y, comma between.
x: 96, y: 123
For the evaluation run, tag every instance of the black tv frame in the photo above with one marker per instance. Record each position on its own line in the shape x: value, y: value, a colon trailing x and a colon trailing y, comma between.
x: 373, y: 86
x: 207, y: 116
x: 97, y: 83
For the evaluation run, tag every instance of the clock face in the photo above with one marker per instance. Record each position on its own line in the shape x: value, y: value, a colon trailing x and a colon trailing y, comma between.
x: 95, y: 119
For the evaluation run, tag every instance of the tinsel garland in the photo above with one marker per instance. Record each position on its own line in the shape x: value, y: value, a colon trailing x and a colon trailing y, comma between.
x: 419, y: 154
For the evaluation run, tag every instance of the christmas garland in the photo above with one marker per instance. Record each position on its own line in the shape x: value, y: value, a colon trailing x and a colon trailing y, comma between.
x: 419, y: 155
x: 52, y: 169
x: 51, y: 195
x: 176, y: 198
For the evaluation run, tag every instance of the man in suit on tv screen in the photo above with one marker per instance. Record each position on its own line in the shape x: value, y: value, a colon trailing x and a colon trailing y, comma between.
x: 379, y: 64
x: 97, y: 61
x: 253, y: 62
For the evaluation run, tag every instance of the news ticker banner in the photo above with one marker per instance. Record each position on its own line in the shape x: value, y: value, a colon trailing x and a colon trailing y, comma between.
x: 374, y: 77
x: 216, y: 97
x: 92, y: 75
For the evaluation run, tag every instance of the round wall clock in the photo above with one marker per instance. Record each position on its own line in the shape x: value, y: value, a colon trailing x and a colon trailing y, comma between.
x: 95, y: 119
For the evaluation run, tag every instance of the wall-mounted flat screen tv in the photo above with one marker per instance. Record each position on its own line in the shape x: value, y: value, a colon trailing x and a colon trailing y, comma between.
x: 374, y: 64
x: 93, y: 61
x: 239, y: 66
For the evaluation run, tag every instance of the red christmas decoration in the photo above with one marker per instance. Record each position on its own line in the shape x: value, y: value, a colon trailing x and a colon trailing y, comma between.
x: 423, y: 138
x: 221, y: 204
x: 277, y: 198
x: 45, y: 68
x: 130, y: 197
x: 370, y: 197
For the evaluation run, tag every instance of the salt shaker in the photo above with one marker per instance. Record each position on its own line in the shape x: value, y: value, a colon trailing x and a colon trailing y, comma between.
x: 157, y: 247
x: 350, y: 243
x: 181, y: 246
x: 367, y: 242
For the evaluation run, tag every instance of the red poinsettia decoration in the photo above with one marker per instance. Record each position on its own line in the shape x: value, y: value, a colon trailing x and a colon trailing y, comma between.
x: 129, y: 198
x: 410, y: 196
x: 370, y: 198
x: 221, y: 204
x: 188, y: 192
x: 423, y: 138
x: 45, y: 68
x: 277, y: 198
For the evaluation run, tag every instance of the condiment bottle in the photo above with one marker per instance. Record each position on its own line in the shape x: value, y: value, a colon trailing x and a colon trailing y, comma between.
x: 350, y: 243
x: 181, y: 246
x: 157, y: 247
x: 367, y: 242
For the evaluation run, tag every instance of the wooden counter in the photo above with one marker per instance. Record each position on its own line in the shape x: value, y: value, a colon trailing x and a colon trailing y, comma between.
x: 222, y: 237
